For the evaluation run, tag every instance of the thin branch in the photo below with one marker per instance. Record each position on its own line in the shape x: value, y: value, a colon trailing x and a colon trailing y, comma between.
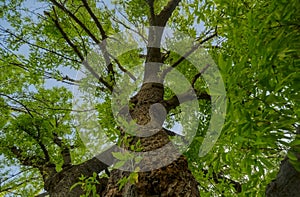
x: 65, y: 36
x: 135, y: 25
x: 48, y: 75
x: 94, y: 17
x: 37, y: 46
x: 66, y: 109
x: 43, y: 194
x: 93, y: 72
x: 129, y: 28
x: 38, y: 140
x: 103, y: 48
x: 194, y: 48
x: 122, y: 68
x: 67, y: 78
x: 76, y: 50
x: 9, y: 97
x: 63, y: 8
x: 16, y: 109
x: 13, y: 187
x: 102, y: 32
x: 79, y: 32
x: 14, y: 175
x: 16, y: 185
x: 212, y: 47
x: 199, y: 74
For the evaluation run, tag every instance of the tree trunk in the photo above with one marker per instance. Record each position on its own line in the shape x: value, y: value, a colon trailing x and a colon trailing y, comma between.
x: 287, y: 182
x: 174, y: 179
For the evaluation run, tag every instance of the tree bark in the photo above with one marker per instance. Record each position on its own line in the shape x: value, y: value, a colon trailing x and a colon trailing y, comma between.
x: 59, y: 184
x: 174, y: 179
x: 287, y: 182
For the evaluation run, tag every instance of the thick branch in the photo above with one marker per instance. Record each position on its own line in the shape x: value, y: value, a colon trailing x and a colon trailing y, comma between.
x: 288, y: 178
x: 38, y: 140
x: 103, y: 34
x: 33, y: 161
x: 165, y: 14
x: 57, y: 140
x: 286, y: 183
x: 175, y: 101
x: 69, y: 176
x: 152, y: 19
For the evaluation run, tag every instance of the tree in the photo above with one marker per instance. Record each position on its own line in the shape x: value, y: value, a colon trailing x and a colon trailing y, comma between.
x: 254, y: 45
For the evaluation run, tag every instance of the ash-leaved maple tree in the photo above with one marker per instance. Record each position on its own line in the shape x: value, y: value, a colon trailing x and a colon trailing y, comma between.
x: 48, y: 50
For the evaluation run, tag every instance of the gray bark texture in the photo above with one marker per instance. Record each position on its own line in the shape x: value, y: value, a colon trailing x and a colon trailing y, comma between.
x: 287, y: 182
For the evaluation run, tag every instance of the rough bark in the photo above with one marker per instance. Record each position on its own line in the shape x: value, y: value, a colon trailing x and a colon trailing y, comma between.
x: 59, y: 184
x: 175, y: 179
x: 287, y: 182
